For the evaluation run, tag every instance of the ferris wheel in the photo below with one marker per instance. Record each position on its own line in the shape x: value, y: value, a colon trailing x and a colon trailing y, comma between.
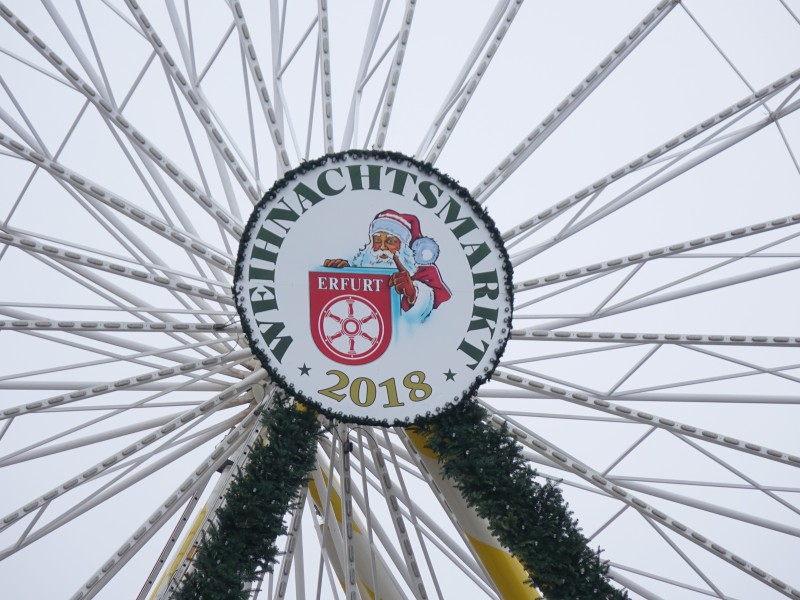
x: 640, y: 164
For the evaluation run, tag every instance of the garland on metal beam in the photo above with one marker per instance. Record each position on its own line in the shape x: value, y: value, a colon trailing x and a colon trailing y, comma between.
x: 532, y: 520
x: 241, y: 542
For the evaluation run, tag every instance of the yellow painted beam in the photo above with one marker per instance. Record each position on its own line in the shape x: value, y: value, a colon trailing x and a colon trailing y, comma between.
x: 507, y: 573
x: 184, y: 552
x: 388, y: 587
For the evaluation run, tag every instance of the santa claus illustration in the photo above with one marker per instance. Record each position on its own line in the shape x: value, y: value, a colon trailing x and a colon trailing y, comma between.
x: 396, y: 241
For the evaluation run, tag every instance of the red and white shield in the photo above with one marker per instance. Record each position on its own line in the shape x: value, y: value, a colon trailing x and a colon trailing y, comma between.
x: 351, y: 313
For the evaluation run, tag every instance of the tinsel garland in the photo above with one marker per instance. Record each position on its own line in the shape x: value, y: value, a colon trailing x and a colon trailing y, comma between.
x: 241, y: 542
x: 530, y: 519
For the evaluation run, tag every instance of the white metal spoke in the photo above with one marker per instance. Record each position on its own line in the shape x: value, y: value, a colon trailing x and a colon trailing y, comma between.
x: 766, y: 399
x: 111, y: 114
x: 731, y: 376
x: 136, y: 358
x: 71, y: 257
x: 29, y: 180
x: 88, y: 67
x: 93, y: 282
x: 66, y: 325
x: 257, y: 74
x: 237, y: 460
x: 411, y: 509
x: 93, y: 43
x: 549, y: 124
x: 458, y: 86
x: 114, y: 340
x: 373, y: 578
x: 33, y: 138
x: 311, y: 106
x: 393, y: 76
x: 176, y: 532
x: 686, y: 482
x: 712, y: 508
x: 615, y: 575
x: 293, y: 541
x: 432, y: 530
x: 34, y: 66
x: 210, y: 405
x: 630, y: 305
x: 231, y: 441
x: 154, y: 268
x: 683, y: 429
x: 648, y: 215
x: 223, y: 40
x: 119, y: 484
x: 196, y: 101
x: 370, y: 40
x: 582, y: 470
x: 131, y: 382
x: 98, y: 307
x: 43, y: 447
x: 325, y: 74
x: 743, y: 476
x: 386, y: 581
x: 655, y: 338
x: 460, y: 104
x: 658, y: 253
x: 731, y: 112
x: 349, y: 562
x: 52, y: 449
x: 329, y: 528
x: 107, y: 198
x: 425, y: 524
x: 391, y: 497
x: 657, y: 181
x: 778, y: 371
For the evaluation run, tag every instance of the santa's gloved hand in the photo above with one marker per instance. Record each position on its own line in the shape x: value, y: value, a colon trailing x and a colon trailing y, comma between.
x: 402, y: 283
x: 337, y: 263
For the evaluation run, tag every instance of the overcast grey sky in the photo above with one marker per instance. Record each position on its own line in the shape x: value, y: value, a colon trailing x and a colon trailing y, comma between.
x: 716, y: 172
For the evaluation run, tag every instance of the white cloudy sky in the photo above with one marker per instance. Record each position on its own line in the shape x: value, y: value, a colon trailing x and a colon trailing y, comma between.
x: 702, y: 57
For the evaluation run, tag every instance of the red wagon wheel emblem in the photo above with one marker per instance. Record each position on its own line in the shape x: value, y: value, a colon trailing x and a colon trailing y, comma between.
x: 351, y: 327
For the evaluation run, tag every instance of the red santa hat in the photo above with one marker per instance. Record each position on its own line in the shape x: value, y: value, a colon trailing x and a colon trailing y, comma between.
x: 407, y: 229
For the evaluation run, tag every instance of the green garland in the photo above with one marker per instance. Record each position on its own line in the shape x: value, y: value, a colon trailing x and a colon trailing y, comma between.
x: 242, y: 540
x: 531, y: 520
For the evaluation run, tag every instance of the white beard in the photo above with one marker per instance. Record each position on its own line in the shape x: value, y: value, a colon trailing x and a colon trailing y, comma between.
x: 367, y: 257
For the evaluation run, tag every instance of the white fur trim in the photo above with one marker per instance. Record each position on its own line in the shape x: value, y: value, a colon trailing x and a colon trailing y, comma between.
x: 426, y: 250
x: 397, y: 227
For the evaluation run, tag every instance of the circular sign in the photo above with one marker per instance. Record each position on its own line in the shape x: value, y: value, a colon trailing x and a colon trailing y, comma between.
x: 373, y: 287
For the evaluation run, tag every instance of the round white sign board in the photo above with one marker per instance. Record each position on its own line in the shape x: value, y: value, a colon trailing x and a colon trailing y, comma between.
x: 373, y: 287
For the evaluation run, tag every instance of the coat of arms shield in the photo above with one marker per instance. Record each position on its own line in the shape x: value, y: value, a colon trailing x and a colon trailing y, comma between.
x: 352, y: 313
